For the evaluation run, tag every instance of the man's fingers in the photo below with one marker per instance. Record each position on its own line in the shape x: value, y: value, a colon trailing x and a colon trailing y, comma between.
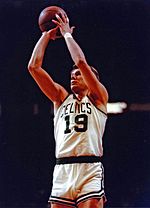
x: 56, y: 22
x: 67, y: 19
x: 58, y: 17
x: 72, y: 28
x: 63, y: 18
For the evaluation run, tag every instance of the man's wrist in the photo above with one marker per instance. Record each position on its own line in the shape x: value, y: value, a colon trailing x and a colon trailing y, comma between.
x: 67, y: 35
x: 45, y: 34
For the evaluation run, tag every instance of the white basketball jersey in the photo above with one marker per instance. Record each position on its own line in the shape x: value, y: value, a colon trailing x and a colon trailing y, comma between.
x: 78, y: 128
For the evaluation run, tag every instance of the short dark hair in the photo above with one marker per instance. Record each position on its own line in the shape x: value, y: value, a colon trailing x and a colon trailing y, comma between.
x: 93, y: 70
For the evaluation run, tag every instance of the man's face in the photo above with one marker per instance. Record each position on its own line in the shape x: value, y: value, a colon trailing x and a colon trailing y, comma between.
x: 77, y: 82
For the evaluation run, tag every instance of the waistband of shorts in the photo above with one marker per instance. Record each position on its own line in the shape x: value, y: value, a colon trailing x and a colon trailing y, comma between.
x: 78, y: 159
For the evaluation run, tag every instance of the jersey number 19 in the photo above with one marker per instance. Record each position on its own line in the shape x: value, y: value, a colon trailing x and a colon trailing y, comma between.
x: 81, y: 122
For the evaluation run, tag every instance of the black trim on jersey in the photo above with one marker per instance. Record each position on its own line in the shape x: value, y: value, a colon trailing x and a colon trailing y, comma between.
x: 94, y: 194
x: 78, y: 159
x: 65, y: 99
x: 102, y: 181
x: 61, y: 202
x: 89, y: 197
x: 75, y: 97
x: 62, y: 198
x: 62, y: 104
x: 97, y: 107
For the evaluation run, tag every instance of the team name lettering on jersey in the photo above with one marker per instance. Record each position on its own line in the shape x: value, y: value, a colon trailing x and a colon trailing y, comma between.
x: 78, y: 122
x: 76, y: 108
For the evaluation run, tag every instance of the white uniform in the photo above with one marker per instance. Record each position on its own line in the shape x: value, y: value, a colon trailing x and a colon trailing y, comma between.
x: 78, y: 131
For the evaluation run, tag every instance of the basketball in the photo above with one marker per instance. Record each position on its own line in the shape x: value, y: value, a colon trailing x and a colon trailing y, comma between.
x: 46, y: 16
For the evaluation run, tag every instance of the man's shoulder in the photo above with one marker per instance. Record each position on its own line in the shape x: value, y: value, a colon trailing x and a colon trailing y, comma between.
x: 62, y: 101
x: 98, y: 103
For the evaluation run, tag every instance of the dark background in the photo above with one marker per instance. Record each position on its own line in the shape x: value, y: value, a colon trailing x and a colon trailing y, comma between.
x: 115, y: 36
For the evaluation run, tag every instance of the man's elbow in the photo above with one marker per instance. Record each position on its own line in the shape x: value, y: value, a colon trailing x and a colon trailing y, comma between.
x: 32, y: 68
x: 81, y: 62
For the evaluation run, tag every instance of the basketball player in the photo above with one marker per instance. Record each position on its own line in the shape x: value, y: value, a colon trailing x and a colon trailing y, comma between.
x: 79, y: 124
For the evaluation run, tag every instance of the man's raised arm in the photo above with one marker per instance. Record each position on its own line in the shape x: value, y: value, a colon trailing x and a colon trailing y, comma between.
x: 51, y: 89
x: 95, y: 87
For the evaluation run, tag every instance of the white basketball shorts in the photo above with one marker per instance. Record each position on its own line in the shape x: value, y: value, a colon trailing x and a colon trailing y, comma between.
x: 77, y: 182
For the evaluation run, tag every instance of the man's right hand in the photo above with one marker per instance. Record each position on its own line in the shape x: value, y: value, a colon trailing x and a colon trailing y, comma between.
x: 53, y: 33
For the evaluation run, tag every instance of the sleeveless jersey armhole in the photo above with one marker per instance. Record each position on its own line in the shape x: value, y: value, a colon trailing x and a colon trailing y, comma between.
x: 97, y: 107
x: 55, y: 111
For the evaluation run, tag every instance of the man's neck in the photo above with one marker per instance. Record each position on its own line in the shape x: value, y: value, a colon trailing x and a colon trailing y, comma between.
x: 80, y: 95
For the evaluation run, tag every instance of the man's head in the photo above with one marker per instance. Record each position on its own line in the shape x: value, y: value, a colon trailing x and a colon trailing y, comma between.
x: 92, y: 68
x: 77, y: 82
